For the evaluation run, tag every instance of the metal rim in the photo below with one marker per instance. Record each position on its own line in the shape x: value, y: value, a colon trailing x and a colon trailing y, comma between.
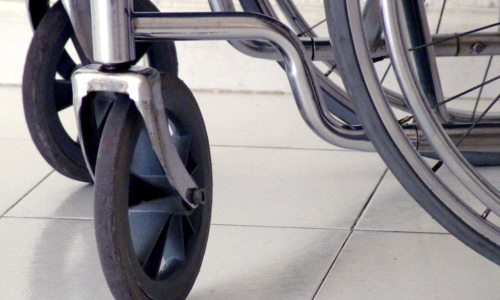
x: 423, y: 112
x: 393, y: 127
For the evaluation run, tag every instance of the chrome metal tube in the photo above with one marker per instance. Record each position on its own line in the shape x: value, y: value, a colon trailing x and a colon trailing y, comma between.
x: 317, y: 50
x: 484, y: 138
x: 489, y: 43
x: 112, y: 31
x: 246, y: 26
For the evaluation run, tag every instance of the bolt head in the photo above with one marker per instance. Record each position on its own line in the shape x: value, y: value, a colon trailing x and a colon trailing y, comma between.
x: 199, y: 196
x: 478, y: 48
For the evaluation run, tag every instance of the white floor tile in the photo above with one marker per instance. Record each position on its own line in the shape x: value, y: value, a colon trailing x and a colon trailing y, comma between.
x: 57, y: 259
x: 265, y: 263
x: 260, y: 120
x: 58, y: 197
x: 49, y: 259
x: 251, y: 187
x: 292, y: 188
x: 393, y: 209
x: 12, y: 121
x: 15, y: 34
x: 375, y: 265
x: 235, y: 119
x: 22, y: 168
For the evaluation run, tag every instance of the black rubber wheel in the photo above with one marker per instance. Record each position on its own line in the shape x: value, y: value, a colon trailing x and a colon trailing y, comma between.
x: 411, y: 171
x: 44, y: 96
x: 150, y: 245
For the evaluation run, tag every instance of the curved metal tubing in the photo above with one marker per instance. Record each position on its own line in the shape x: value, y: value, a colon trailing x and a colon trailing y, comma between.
x: 428, y: 122
x: 320, y: 50
x: 247, y: 26
x: 457, y: 47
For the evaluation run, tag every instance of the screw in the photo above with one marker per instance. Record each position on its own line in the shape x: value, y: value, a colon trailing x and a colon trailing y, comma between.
x: 478, y: 48
x: 198, y: 196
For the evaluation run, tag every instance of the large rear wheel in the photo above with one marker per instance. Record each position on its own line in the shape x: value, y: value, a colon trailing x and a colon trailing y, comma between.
x: 467, y: 221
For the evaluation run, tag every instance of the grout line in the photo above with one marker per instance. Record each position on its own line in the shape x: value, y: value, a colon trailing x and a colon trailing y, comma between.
x: 330, y: 269
x: 48, y: 218
x: 280, y: 227
x: 284, y: 148
x: 247, y: 226
x: 332, y: 229
x: 26, y: 194
x: 401, y: 231
x: 227, y: 91
x: 247, y: 92
x: 8, y: 85
x: 370, y: 198
x: 331, y: 266
x: 199, y: 90
x: 15, y: 139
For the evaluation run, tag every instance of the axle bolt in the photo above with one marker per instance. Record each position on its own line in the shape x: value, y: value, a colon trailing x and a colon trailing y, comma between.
x: 199, y: 196
x: 478, y: 48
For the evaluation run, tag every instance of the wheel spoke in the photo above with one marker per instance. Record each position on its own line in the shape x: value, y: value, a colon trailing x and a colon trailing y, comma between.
x: 146, y: 165
x: 145, y: 189
x: 311, y: 28
x: 455, y: 36
x: 79, y: 49
x: 174, y: 253
x: 477, y: 121
x: 102, y: 106
x: 481, y: 89
x: 385, y: 73
x: 440, y: 163
x: 146, y: 228
x: 66, y: 66
x: 441, y: 16
x: 467, y: 91
x: 63, y: 94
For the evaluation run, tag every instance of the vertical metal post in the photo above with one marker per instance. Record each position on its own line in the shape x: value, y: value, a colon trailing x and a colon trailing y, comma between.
x: 112, y: 31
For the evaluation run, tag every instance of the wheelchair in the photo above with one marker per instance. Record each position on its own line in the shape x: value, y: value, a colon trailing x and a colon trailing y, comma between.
x: 143, y: 142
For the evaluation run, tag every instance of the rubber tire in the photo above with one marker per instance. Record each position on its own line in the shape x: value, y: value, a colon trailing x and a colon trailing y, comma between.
x: 338, y: 26
x: 117, y: 256
x: 44, y: 54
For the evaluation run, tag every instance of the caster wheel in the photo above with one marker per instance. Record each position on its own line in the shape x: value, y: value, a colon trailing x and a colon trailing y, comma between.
x: 150, y: 244
x: 47, y: 89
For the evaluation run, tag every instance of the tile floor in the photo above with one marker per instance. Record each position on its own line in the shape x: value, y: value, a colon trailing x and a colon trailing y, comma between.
x: 293, y: 218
